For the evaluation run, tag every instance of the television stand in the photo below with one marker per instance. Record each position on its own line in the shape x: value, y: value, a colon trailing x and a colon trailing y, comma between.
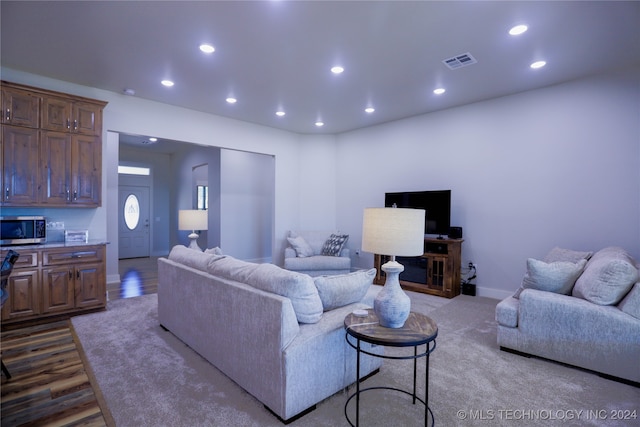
x: 435, y: 272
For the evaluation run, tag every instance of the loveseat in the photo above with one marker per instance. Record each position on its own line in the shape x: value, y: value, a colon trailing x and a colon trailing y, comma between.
x: 317, y: 253
x: 278, y: 334
x: 577, y: 308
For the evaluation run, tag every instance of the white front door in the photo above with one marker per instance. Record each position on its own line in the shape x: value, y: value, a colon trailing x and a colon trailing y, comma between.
x: 133, y: 221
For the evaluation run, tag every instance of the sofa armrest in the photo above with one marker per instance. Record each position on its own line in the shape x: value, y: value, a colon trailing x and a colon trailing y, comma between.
x: 289, y: 252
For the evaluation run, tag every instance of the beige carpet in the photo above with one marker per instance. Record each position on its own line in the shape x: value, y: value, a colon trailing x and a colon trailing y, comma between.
x: 150, y: 378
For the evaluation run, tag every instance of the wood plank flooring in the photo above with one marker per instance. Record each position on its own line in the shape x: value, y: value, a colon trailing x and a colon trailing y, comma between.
x: 49, y: 385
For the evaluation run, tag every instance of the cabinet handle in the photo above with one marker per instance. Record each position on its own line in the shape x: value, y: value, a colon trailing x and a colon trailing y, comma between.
x: 8, y: 115
x: 75, y: 125
x: 70, y: 274
x: 6, y: 193
x: 75, y: 195
x: 68, y: 124
x: 68, y: 196
x: 77, y: 274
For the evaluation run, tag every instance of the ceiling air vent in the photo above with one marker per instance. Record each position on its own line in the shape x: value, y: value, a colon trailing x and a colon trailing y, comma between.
x: 459, y: 61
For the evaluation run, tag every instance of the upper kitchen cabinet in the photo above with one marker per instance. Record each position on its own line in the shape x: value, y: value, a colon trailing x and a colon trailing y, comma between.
x: 51, y: 148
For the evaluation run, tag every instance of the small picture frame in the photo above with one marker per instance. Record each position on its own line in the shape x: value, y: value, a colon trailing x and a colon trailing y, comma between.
x: 76, y: 236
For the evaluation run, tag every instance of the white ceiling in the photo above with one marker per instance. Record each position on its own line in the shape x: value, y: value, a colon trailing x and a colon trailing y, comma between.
x: 278, y: 54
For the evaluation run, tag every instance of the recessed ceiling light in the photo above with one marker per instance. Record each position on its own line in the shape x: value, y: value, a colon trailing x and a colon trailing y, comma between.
x: 129, y: 92
x: 337, y: 69
x: 152, y: 139
x: 207, y: 48
x: 518, y: 29
x: 231, y: 100
x: 369, y: 110
x: 280, y: 113
x: 167, y: 83
x: 439, y: 91
x: 538, y: 64
x: 319, y: 124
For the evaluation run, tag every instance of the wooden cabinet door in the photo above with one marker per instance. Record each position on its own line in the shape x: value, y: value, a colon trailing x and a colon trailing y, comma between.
x: 20, y: 107
x: 90, y: 285
x: 20, y: 166
x: 55, y: 154
x: 57, y: 289
x: 24, y: 296
x: 437, y: 273
x: 86, y: 119
x: 56, y: 114
x: 86, y: 175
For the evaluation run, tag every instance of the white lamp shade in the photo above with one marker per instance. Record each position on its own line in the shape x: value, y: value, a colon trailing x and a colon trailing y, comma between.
x: 193, y: 220
x: 393, y: 231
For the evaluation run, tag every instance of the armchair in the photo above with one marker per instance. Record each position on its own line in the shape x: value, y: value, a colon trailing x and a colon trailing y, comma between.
x: 304, y: 253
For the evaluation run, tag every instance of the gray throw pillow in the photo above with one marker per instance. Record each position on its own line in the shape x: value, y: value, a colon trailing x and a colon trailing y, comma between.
x: 192, y: 258
x: 302, y: 248
x: 343, y: 289
x: 608, y: 277
x: 333, y: 245
x: 560, y: 254
x: 630, y: 304
x: 558, y: 277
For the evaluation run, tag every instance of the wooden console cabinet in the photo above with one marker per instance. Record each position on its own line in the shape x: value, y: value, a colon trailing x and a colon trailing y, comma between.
x: 50, y: 148
x: 50, y: 281
x: 436, y: 272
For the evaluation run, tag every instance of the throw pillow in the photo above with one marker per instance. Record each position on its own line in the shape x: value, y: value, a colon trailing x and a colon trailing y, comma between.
x: 558, y: 277
x: 560, y: 254
x: 343, y: 289
x: 301, y: 246
x: 333, y: 245
x: 189, y: 257
x: 298, y: 287
x: 214, y: 251
x: 608, y: 277
x: 631, y: 303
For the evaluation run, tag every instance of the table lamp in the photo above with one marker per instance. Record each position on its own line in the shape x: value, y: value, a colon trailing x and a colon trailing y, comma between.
x: 393, y: 232
x: 193, y: 220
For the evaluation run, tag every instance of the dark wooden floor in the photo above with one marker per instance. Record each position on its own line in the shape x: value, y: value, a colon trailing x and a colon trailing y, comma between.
x: 49, y: 385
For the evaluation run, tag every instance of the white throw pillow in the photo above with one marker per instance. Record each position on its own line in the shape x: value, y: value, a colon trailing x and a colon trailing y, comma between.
x: 343, y: 289
x: 301, y: 246
x: 558, y: 277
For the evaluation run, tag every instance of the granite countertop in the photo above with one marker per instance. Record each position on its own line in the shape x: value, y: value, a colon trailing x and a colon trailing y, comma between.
x: 55, y: 245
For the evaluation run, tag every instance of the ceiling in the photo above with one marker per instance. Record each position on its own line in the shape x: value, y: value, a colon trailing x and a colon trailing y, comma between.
x: 273, y: 55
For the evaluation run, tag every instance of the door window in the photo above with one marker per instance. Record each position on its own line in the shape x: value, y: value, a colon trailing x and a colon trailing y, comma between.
x: 131, y: 211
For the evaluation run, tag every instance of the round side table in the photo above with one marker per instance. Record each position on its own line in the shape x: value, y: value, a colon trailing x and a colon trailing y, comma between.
x: 418, y: 330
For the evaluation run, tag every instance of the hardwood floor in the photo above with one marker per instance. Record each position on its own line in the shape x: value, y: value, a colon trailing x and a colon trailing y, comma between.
x: 49, y: 385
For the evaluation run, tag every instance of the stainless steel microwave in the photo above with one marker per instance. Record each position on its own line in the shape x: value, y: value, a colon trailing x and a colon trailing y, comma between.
x: 22, y: 230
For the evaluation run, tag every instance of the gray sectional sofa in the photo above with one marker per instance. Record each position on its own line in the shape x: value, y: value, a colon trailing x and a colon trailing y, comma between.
x: 278, y: 334
x: 577, y: 308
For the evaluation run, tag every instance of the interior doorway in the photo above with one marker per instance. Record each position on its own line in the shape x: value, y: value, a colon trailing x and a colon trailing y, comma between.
x: 133, y: 221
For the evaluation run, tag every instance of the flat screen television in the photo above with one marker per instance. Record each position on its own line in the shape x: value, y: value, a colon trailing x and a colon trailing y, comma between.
x: 437, y: 205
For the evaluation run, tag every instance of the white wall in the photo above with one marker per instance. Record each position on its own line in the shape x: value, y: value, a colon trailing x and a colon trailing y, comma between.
x: 246, y: 201
x: 555, y: 166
